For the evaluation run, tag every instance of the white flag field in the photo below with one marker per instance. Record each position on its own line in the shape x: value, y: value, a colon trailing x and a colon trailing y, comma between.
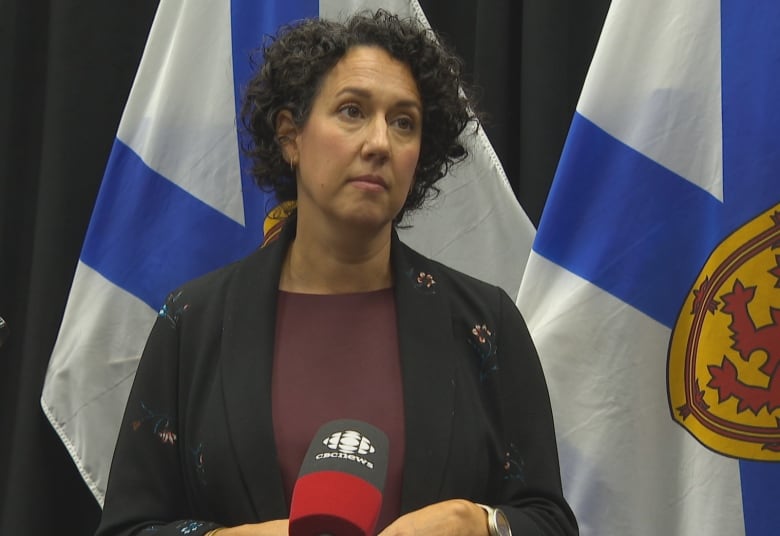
x: 176, y: 202
x: 653, y: 288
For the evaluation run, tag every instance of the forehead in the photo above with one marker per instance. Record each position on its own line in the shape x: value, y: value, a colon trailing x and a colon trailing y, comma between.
x: 372, y: 69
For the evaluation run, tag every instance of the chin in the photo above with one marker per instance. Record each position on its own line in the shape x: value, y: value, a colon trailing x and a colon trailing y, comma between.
x: 369, y: 221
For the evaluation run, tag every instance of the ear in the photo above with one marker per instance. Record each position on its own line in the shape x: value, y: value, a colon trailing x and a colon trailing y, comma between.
x: 287, y: 135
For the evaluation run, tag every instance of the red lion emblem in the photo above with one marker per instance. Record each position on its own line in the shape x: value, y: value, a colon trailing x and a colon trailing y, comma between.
x: 749, y: 339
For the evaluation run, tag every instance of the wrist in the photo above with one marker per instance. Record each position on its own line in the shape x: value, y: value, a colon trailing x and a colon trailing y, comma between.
x: 497, y: 523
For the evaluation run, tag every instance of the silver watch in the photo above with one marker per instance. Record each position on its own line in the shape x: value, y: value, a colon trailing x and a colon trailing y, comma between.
x: 498, y: 524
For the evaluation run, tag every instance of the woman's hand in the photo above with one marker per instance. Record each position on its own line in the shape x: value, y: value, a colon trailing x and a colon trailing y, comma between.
x: 453, y: 517
x: 278, y: 527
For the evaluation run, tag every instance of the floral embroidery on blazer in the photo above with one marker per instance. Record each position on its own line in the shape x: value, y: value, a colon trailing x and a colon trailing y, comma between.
x: 422, y: 281
x: 483, y: 340
x: 172, y: 309
x: 162, y: 425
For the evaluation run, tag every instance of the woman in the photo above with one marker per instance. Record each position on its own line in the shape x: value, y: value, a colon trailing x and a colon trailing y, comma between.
x: 335, y: 318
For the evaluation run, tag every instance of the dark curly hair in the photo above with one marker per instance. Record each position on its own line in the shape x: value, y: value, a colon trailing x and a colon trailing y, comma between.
x: 298, y: 58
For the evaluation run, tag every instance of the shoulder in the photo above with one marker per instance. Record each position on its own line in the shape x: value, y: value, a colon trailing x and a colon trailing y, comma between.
x: 208, y: 295
x: 203, y: 290
x: 461, y: 289
x: 481, y: 313
x: 474, y: 305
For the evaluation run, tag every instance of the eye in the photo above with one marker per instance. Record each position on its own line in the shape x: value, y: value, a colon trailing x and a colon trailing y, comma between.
x: 405, y: 123
x: 351, y: 111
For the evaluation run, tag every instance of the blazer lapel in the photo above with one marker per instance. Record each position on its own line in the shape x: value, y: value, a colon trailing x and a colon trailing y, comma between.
x: 246, y: 365
x: 425, y: 333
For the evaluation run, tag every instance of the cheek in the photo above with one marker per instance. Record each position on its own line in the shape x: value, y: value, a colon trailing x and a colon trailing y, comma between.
x: 320, y: 152
x: 407, y: 160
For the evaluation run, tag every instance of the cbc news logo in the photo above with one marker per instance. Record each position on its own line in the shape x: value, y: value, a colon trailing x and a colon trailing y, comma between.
x: 348, y: 445
x: 349, y: 442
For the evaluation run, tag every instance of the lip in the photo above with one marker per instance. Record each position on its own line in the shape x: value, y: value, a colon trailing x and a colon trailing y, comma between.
x: 369, y: 182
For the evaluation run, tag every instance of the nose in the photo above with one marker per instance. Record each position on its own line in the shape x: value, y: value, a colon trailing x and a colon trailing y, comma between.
x: 377, y: 144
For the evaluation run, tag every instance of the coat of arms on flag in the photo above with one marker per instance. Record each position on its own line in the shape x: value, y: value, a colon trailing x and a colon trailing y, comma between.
x: 724, y: 355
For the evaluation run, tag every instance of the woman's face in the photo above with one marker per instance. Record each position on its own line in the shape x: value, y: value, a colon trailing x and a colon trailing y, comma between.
x: 358, y: 150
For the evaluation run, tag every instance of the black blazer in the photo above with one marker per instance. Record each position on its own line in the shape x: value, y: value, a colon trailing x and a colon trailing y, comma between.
x: 196, y: 447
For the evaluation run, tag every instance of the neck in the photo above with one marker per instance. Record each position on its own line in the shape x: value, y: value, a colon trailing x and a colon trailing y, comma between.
x: 336, y: 263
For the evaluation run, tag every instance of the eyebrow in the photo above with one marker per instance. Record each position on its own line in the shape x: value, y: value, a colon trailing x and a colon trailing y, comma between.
x: 365, y: 94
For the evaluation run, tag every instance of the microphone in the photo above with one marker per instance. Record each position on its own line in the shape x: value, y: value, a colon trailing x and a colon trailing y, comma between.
x: 340, y: 484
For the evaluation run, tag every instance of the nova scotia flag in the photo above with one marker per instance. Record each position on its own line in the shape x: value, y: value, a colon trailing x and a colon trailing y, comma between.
x: 175, y: 203
x: 653, y: 288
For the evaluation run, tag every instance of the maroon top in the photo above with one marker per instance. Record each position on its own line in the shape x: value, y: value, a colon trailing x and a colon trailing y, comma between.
x: 336, y: 357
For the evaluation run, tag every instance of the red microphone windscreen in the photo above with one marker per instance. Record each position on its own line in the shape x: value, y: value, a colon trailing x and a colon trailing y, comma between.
x: 332, y: 502
x: 339, y: 487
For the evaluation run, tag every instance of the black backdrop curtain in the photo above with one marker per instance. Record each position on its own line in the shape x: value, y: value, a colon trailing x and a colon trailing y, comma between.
x: 66, y: 68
